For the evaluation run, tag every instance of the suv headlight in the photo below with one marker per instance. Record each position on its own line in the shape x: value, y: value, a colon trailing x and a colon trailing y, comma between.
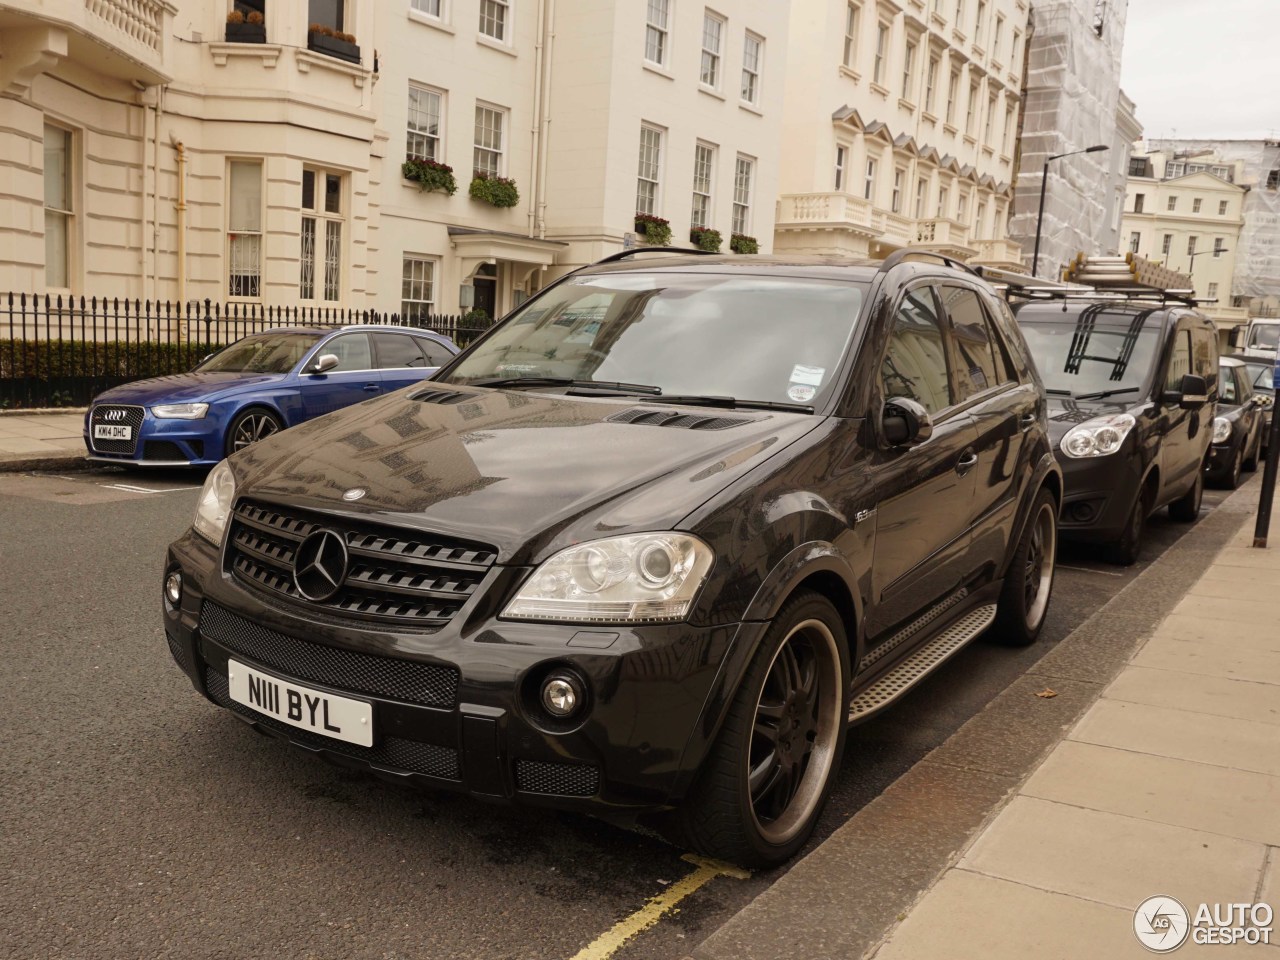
x: 180, y: 411
x: 640, y: 578
x: 214, y: 506
x: 1098, y: 437
x: 1221, y: 429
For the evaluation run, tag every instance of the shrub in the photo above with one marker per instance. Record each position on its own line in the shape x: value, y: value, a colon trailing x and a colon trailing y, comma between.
x: 430, y: 175
x: 498, y: 191
x: 741, y: 243
x: 235, y: 16
x: 704, y: 238
x: 116, y: 360
x: 657, y: 232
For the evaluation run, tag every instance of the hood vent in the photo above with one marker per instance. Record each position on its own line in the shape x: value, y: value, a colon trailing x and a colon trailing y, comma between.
x: 443, y: 396
x: 681, y: 421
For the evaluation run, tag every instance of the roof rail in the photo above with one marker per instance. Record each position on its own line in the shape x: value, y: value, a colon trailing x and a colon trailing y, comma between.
x: 623, y: 254
x: 906, y: 253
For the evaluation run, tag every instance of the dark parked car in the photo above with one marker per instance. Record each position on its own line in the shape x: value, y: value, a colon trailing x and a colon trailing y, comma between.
x: 1131, y: 398
x: 1261, y: 375
x: 1237, y: 429
x: 644, y: 549
x: 253, y: 388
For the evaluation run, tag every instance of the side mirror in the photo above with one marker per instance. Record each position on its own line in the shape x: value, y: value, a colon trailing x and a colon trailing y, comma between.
x: 1192, y: 393
x: 323, y: 363
x: 906, y: 422
x: 1260, y: 400
x: 1235, y: 339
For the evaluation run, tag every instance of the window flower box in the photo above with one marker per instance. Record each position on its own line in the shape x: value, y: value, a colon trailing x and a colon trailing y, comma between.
x: 704, y: 238
x: 430, y: 175
x: 655, y: 230
x: 340, y: 46
x: 741, y: 243
x: 498, y: 191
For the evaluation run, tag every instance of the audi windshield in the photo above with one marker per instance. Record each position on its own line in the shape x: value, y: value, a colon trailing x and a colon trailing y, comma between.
x: 264, y: 353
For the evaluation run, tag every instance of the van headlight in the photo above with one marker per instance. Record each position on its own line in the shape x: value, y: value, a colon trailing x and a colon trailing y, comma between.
x: 1221, y: 429
x: 214, y: 507
x: 646, y: 577
x: 1098, y: 437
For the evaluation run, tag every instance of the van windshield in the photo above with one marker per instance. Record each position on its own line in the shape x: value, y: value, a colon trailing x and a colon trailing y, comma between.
x: 1265, y: 336
x: 764, y: 339
x: 1080, y: 359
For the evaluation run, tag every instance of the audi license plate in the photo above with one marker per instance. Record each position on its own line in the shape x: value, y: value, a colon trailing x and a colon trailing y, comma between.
x: 324, y: 713
x: 112, y: 431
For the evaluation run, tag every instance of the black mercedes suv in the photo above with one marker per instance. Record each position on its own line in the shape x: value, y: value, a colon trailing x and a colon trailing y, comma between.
x: 1132, y: 387
x: 645, y: 549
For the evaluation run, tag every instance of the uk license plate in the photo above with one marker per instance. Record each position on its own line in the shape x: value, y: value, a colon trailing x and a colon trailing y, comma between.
x: 327, y: 714
x: 112, y: 431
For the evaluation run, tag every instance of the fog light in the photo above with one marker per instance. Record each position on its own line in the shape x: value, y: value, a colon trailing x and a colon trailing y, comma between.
x: 561, y: 695
x: 173, y: 587
x: 1082, y: 512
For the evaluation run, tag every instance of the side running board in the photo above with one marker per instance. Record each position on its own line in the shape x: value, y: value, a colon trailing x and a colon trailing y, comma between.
x: 920, y: 664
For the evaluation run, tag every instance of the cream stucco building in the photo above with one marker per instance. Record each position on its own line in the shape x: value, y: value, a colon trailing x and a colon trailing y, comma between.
x: 153, y: 150
x: 901, y: 124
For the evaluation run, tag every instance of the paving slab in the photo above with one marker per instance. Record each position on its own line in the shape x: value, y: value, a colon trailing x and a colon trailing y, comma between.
x: 1212, y: 658
x: 1260, y: 634
x: 1214, y: 696
x: 1235, y: 587
x: 1107, y: 857
x: 1229, y: 610
x: 1233, y: 803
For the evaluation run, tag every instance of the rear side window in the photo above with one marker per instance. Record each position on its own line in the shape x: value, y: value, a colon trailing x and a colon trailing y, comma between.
x: 915, y: 365
x: 1227, y: 392
x: 980, y: 366
x: 1179, y: 361
x: 397, y: 350
x: 436, y: 353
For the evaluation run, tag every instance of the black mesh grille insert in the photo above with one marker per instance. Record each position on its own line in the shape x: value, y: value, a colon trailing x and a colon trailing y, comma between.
x: 408, y: 680
x: 415, y: 581
x: 177, y: 652
x: 114, y: 415
x: 162, y: 450
x: 679, y: 421
x: 557, y: 779
x: 411, y: 755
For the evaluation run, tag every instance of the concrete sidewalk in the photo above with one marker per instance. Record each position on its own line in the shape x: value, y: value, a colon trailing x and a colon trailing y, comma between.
x: 41, y: 439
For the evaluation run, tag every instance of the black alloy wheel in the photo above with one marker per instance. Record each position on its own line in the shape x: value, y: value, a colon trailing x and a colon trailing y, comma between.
x: 249, y: 427
x: 1028, y: 584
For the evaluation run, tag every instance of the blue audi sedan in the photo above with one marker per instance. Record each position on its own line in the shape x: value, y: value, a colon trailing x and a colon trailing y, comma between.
x: 254, y: 388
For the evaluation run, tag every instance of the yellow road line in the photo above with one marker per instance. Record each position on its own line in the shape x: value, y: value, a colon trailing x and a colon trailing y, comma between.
x: 610, y: 942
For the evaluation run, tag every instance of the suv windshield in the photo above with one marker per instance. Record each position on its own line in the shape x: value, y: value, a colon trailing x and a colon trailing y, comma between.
x: 265, y: 353
x: 769, y: 339
x: 1081, y: 359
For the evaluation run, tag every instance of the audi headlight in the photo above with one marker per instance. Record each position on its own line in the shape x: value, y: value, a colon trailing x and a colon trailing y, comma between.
x: 214, y: 506
x: 1098, y: 437
x: 180, y: 411
x: 1221, y: 429
x: 640, y: 578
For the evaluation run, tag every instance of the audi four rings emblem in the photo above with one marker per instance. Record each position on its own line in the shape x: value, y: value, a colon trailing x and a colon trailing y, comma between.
x: 320, y: 565
x: 113, y: 415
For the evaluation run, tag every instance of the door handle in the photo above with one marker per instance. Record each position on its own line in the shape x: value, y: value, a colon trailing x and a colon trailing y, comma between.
x: 372, y: 387
x: 968, y: 460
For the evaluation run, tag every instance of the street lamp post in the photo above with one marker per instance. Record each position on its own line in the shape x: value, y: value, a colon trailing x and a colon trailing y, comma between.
x: 1191, y: 258
x: 1035, y: 257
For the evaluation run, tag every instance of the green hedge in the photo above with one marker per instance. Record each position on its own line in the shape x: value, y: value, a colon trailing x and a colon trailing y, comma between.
x: 47, y: 359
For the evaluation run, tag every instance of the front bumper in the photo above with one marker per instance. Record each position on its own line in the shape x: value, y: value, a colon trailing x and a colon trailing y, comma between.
x: 457, y: 709
x: 1218, y: 464
x: 1099, y: 494
x: 160, y: 443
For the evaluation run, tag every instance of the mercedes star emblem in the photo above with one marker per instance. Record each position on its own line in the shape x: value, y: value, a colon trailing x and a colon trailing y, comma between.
x: 355, y: 493
x: 320, y: 565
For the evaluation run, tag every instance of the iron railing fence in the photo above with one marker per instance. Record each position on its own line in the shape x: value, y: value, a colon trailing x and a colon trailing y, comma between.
x: 64, y: 351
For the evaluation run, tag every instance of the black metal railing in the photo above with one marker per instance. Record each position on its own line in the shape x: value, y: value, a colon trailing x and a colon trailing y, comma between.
x: 64, y: 351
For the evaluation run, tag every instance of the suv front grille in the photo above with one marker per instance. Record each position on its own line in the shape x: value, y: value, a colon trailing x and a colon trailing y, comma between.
x: 121, y: 416
x: 411, y: 580
x: 410, y: 680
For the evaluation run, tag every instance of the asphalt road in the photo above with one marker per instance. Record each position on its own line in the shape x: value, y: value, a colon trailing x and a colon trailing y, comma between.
x: 138, y: 820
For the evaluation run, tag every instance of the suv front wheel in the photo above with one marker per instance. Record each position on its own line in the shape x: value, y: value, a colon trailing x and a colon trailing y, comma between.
x: 1028, y: 584
x: 1187, y: 507
x: 768, y: 775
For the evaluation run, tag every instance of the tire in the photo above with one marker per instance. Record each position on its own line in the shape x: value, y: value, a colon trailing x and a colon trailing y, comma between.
x: 1028, y: 584
x: 766, y: 778
x: 1232, y: 479
x: 249, y: 426
x: 1251, y: 463
x: 1186, y: 509
x: 1125, y: 551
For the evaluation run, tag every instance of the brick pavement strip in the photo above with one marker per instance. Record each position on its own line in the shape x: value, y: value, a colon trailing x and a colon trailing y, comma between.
x: 1028, y: 843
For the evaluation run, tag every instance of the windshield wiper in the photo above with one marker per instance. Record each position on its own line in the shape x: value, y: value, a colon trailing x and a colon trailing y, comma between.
x: 698, y: 400
x: 609, y: 385
x: 1059, y: 393
x: 1101, y: 394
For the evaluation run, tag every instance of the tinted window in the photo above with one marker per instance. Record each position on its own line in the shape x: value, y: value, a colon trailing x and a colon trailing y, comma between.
x: 915, y: 365
x: 268, y: 353
x: 436, y: 353
x: 1260, y: 374
x: 1081, y: 356
x: 1204, y: 353
x: 397, y: 350
x: 1179, y: 361
x: 352, y: 351
x: 977, y: 369
x: 1227, y: 386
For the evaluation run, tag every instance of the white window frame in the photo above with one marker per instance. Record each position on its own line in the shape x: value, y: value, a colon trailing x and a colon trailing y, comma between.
x: 979, y: 218
x: 249, y: 257
x: 852, y: 20
x: 992, y: 102
x: 501, y: 149
x: 1213, y: 291
x: 962, y: 208
x: 436, y: 141
x: 1196, y: 203
x: 971, y: 109
x: 704, y: 166
x: 649, y: 170
x: 657, y: 32
x: 1135, y: 241
x: 931, y: 82
x: 1218, y: 248
x: 1009, y: 127
x: 424, y: 8
x: 752, y: 67
x: 411, y: 284
x: 1191, y: 244
x: 884, y: 32
x: 953, y: 93
x: 842, y: 162
x: 922, y: 196
x: 742, y: 188
x: 908, y: 69
x: 714, y: 28
x: 1173, y: 203
x: 895, y: 198
x: 504, y: 7
x: 869, y: 183
x: 327, y: 257
x: 1166, y: 245
x: 977, y: 23
x: 999, y: 35
x: 67, y: 213
x: 1222, y: 208
x: 944, y: 195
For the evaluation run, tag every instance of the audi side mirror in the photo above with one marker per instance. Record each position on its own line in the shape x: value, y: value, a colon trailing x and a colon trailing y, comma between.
x: 906, y: 422
x: 324, y: 362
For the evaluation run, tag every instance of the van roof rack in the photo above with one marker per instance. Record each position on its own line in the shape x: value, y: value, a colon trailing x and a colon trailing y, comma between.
x: 1123, y: 278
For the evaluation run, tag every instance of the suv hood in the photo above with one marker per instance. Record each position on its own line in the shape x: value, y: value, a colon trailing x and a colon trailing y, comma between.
x: 527, y: 473
x: 1065, y: 413
x: 183, y: 387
